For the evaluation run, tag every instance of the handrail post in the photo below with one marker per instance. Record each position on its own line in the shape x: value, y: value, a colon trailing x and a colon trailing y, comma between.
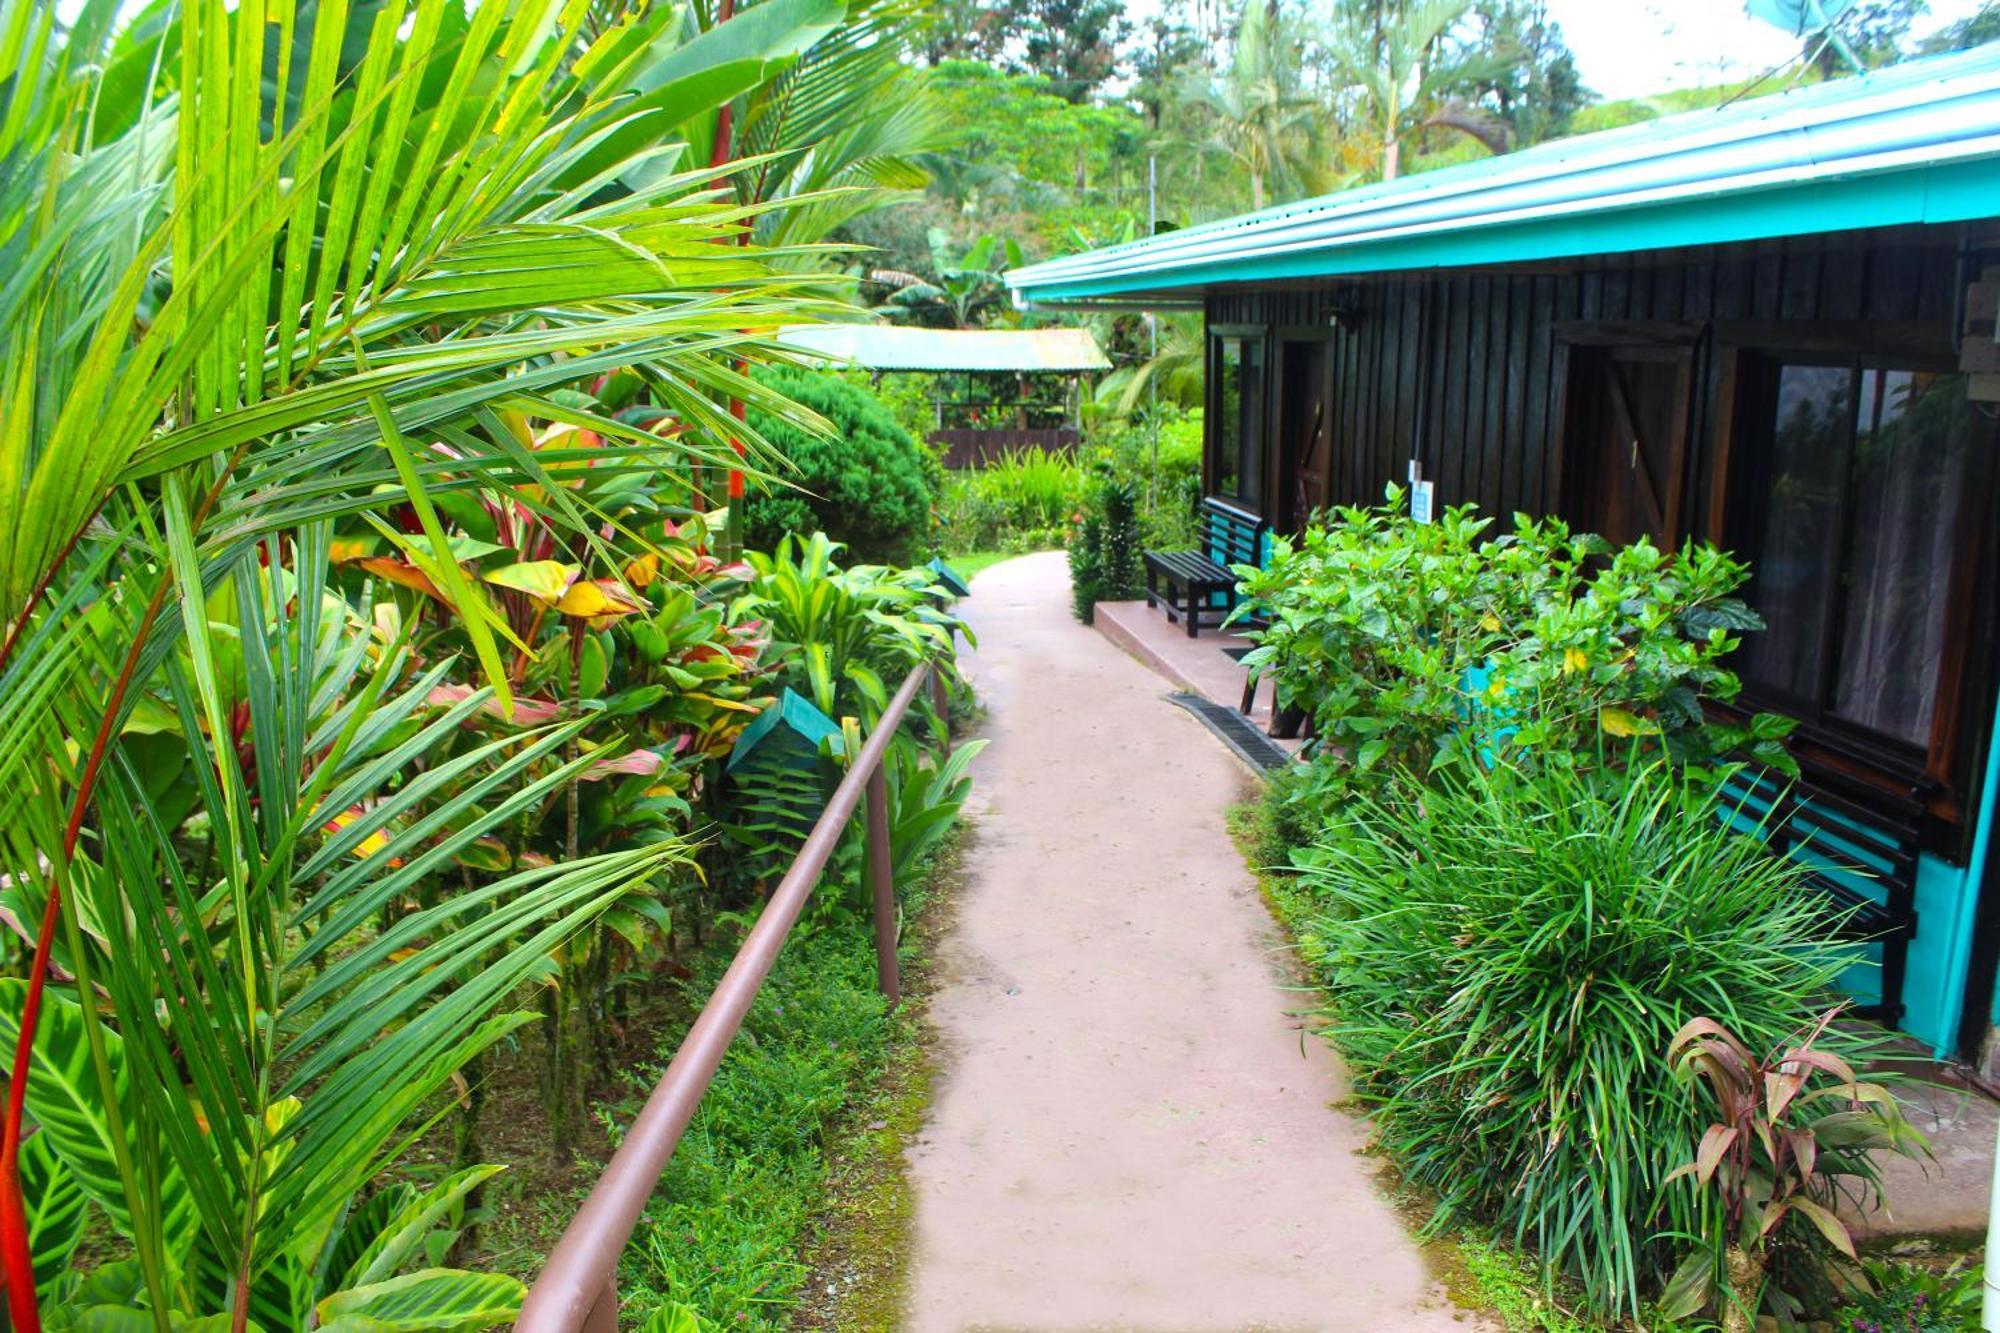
x: 603, y: 1316
x: 577, y: 1291
x: 941, y: 702
x: 882, y: 886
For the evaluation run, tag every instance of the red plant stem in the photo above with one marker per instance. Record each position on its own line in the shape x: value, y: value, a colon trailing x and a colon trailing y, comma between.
x: 41, y: 590
x: 724, y: 150
x: 17, y: 1264
x: 725, y: 118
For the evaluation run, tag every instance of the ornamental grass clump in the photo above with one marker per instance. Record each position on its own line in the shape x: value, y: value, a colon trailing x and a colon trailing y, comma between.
x: 1509, y: 956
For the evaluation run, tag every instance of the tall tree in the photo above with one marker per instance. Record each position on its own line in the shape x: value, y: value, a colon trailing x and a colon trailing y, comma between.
x: 1523, y: 75
x: 1875, y: 31
x: 1257, y: 111
x: 1074, y: 43
x: 968, y: 30
x: 1400, y: 64
x: 1163, y: 50
x: 1973, y: 30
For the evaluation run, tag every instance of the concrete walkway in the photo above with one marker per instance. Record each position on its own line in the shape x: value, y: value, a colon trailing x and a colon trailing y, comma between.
x: 1130, y: 1130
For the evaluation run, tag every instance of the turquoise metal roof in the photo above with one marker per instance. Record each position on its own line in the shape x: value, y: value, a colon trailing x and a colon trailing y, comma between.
x: 1919, y: 142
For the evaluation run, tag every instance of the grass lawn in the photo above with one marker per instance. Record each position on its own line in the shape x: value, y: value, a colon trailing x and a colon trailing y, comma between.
x: 973, y: 561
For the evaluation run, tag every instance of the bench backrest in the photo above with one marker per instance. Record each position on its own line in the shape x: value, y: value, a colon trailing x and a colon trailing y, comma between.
x: 1863, y: 850
x: 1231, y: 536
x: 1871, y: 846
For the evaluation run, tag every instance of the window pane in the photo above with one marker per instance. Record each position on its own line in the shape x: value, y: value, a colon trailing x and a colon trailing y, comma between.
x: 1228, y: 414
x: 1796, y: 529
x: 1250, y: 458
x: 1238, y: 467
x: 1910, y: 453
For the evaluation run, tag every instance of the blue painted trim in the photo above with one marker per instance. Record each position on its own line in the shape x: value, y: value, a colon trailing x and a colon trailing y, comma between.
x: 1960, y: 944
x: 1955, y: 192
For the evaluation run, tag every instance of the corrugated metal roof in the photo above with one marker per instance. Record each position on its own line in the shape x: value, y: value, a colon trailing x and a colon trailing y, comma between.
x: 894, y: 347
x: 1919, y: 142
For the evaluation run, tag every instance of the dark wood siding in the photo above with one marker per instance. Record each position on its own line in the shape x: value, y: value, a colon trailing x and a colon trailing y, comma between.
x: 1468, y: 372
x: 1465, y: 370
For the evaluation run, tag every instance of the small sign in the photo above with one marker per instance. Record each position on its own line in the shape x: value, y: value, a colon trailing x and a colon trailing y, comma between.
x: 1422, y: 500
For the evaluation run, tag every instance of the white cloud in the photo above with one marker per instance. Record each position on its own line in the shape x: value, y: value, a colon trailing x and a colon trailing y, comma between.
x: 1630, y: 48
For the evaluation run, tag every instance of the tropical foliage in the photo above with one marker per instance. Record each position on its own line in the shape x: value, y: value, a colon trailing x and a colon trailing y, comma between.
x: 849, y: 636
x: 866, y: 482
x: 1415, y: 646
x: 1794, y: 1128
x: 1507, y: 959
x: 364, y: 657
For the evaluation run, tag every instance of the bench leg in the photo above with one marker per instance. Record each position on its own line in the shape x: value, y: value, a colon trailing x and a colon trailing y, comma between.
x: 1193, y: 611
x: 1152, y: 588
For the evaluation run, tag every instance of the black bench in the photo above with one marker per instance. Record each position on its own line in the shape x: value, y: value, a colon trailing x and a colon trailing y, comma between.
x: 1862, y: 844
x: 1199, y: 587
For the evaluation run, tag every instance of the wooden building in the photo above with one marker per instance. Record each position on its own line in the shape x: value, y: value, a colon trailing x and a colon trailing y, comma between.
x: 1770, y: 326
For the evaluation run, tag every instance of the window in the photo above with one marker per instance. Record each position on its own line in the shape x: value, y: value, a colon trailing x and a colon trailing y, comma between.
x: 1847, y: 514
x: 1236, y: 459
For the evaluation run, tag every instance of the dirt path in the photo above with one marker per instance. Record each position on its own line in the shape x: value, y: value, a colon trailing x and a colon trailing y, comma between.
x: 1130, y: 1131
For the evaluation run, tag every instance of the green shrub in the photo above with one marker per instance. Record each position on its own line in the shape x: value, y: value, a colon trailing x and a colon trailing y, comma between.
x: 1162, y: 460
x: 1419, y: 644
x: 1086, y: 567
x: 847, y: 634
x: 1902, y: 1298
x: 1508, y: 958
x: 1021, y: 501
x: 866, y: 485
x: 1104, y: 548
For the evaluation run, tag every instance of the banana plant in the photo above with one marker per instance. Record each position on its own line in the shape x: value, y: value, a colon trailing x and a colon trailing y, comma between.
x: 964, y: 289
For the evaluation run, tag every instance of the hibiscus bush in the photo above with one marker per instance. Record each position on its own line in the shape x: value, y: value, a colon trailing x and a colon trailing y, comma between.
x: 1414, y: 646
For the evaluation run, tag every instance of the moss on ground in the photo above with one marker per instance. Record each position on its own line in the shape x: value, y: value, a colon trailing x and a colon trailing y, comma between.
x: 858, y: 1258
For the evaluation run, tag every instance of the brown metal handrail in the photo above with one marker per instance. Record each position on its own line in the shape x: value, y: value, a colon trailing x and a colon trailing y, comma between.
x: 578, y: 1289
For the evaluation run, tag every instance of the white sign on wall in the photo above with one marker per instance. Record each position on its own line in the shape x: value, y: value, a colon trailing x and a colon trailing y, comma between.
x: 1422, y: 494
x: 1421, y: 501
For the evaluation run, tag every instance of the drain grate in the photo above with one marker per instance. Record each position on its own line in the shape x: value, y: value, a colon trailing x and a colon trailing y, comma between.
x: 1252, y: 746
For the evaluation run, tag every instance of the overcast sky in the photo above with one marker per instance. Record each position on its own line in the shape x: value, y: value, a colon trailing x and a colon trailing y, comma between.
x: 1629, y: 48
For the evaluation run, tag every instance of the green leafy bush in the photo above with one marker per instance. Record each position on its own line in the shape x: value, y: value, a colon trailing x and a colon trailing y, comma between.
x: 846, y: 636
x: 1161, y: 457
x: 1021, y: 501
x: 1414, y: 645
x: 1902, y: 1298
x: 1508, y: 957
x: 1104, y: 548
x: 868, y: 484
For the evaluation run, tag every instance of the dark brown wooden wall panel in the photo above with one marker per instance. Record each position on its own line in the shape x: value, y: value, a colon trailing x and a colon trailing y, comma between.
x: 1466, y: 370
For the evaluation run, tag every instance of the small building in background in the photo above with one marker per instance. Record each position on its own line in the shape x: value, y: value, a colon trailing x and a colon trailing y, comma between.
x: 993, y: 389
